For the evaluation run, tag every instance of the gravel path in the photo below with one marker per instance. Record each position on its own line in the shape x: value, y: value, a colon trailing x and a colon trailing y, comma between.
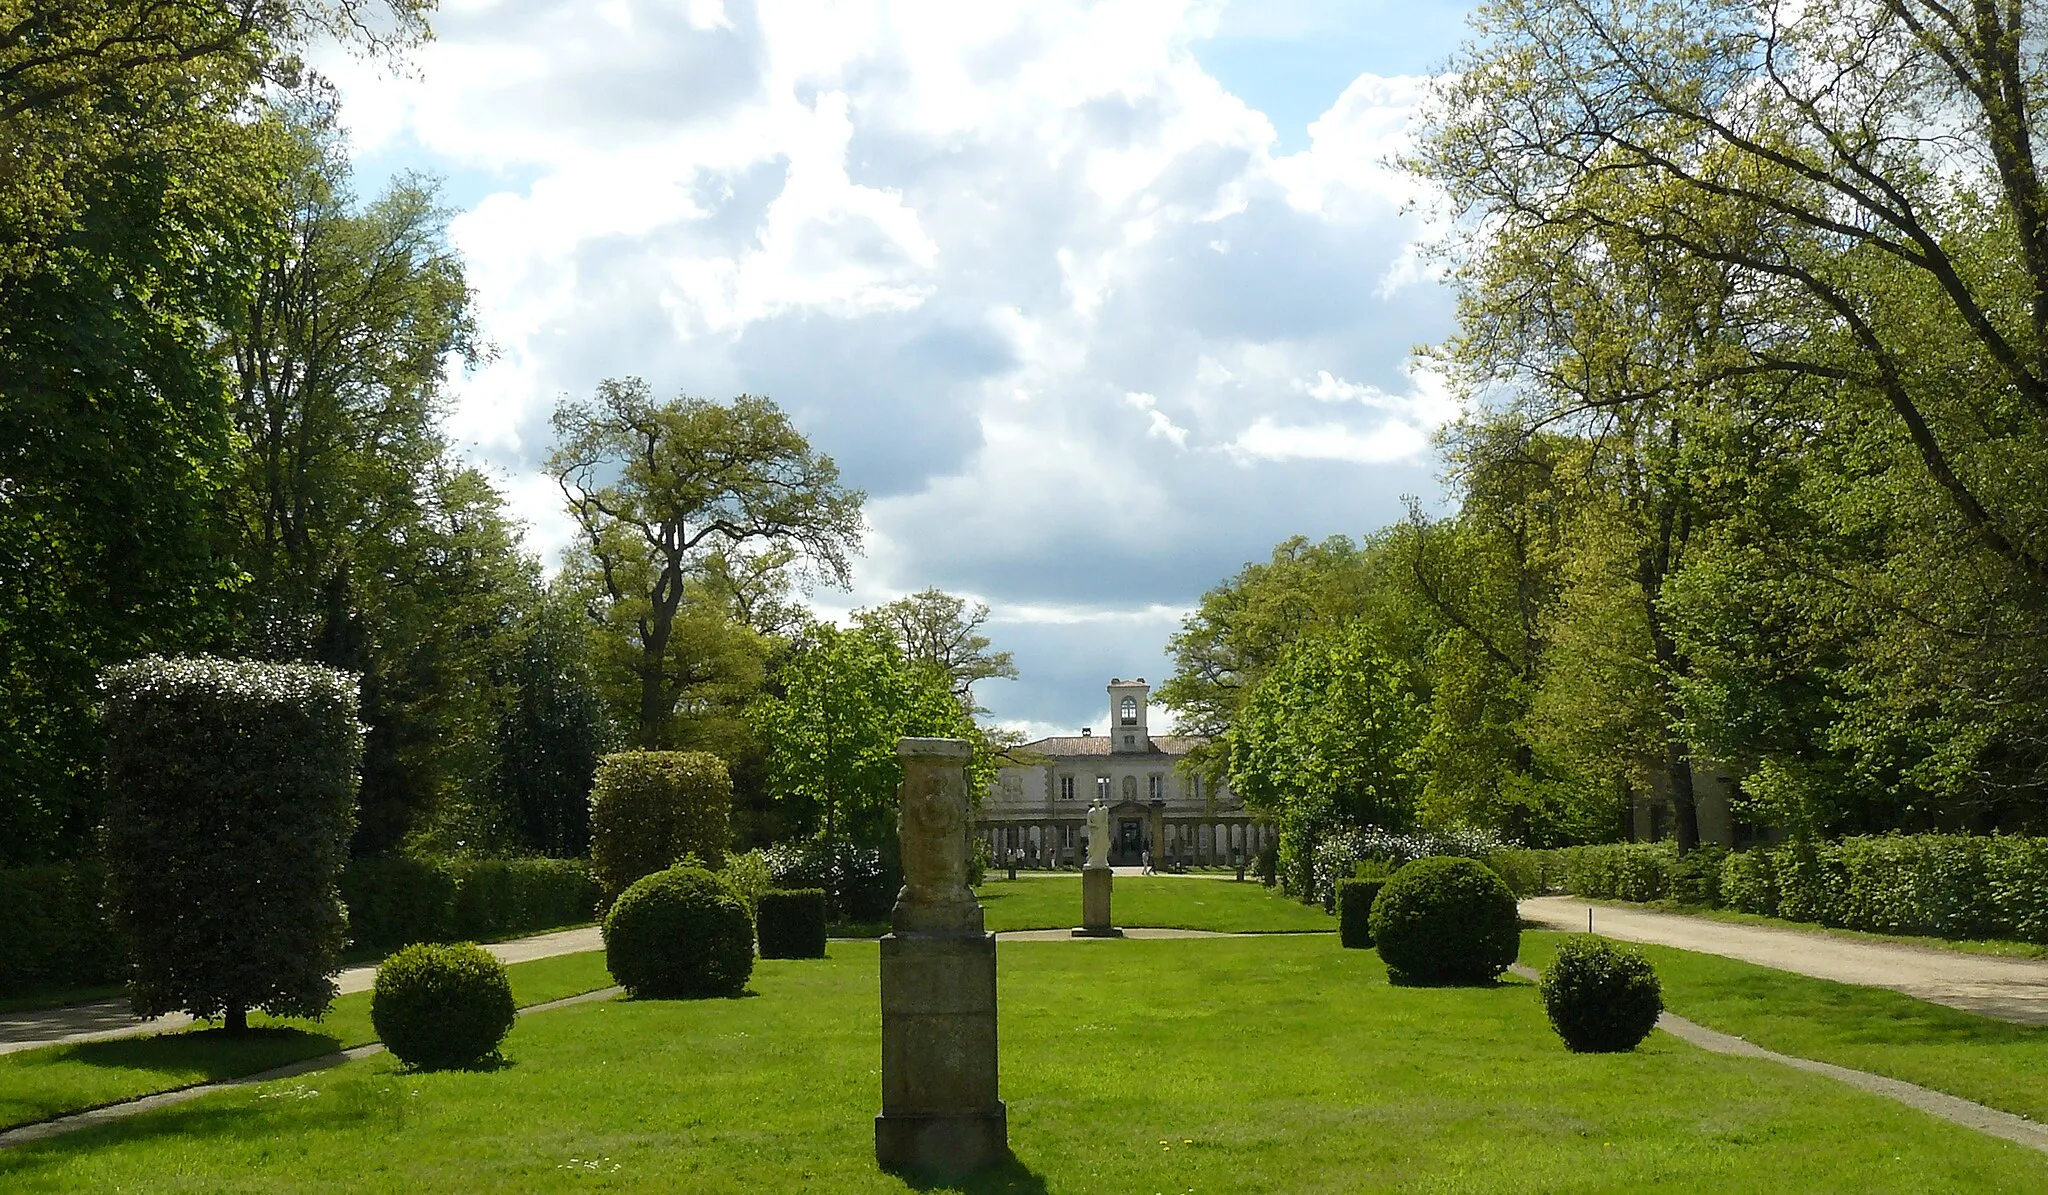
x: 104, y: 1019
x: 2009, y: 989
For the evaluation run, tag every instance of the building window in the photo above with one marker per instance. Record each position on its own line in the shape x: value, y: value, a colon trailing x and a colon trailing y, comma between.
x: 1066, y: 788
x: 1102, y: 789
x: 1130, y: 740
x: 1155, y: 788
x: 1130, y: 711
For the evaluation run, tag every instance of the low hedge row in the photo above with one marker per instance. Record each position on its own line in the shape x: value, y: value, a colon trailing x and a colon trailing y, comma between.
x: 55, y: 933
x: 1934, y: 885
x: 398, y: 901
x: 1940, y: 885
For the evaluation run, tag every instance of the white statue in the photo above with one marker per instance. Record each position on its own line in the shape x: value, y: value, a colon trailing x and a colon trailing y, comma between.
x: 1098, y: 835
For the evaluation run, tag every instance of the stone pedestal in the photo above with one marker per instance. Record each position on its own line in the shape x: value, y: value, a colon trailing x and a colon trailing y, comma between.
x: 1095, y: 922
x: 940, y: 1115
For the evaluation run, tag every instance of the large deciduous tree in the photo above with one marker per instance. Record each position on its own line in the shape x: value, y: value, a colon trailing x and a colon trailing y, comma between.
x: 136, y: 196
x: 1814, y: 244
x: 934, y: 627
x: 659, y: 488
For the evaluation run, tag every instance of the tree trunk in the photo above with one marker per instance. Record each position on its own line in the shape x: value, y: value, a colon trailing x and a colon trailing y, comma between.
x: 237, y: 1018
x: 1685, y: 810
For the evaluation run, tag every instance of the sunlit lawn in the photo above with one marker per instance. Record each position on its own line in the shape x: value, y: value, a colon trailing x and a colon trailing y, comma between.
x: 1160, y: 902
x: 1872, y: 1029
x: 1276, y: 1064
x: 39, y: 1084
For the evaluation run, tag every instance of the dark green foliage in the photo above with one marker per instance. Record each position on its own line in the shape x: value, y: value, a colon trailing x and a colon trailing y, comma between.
x: 792, y: 923
x: 1445, y: 920
x: 550, y: 737
x: 650, y: 808
x: 394, y: 901
x: 679, y: 934
x: 54, y: 929
x: 1354, y: 911
x: 230, y: 792
x: 437, y: 1007
x: 1601, y: 999
x: 1267, y: 865
x: 860, y: 882
x: 501, y: 898
x: 1696, y: 876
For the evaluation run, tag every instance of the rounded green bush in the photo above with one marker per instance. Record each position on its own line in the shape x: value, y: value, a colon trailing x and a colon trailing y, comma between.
x: 679, y: 934
x: 1601, y: 999
x: 1445, y: 920
x: 442, y: 1006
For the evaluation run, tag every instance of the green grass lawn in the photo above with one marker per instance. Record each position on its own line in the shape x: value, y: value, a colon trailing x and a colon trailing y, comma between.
x: 1275, y: 1064
x: 1159, y: 902
x: 40, y: 1084
x: 1871, y: 1029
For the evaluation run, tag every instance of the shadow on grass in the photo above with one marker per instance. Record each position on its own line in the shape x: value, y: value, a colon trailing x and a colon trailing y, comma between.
x: 1007, y: 1177
x: 209, y: 1054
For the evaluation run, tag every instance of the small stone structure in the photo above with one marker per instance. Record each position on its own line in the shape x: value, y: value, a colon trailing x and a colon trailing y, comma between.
x: 940, y: 1114
x: 1096, y: 879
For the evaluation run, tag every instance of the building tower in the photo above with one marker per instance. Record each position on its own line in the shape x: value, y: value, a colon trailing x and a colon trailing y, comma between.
x: 1128, y: 700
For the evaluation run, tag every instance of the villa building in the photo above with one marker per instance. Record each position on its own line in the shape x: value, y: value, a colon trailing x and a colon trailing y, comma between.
x: 1037, y: 810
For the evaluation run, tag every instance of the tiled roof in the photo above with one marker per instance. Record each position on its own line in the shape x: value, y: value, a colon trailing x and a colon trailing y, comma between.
x: 1099, y: 744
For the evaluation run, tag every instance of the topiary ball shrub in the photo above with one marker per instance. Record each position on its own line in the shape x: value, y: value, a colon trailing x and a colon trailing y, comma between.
x: 438, y: 1007
x: 1354, y: 911
x: 792, y: 923
x: 682, y: 933
x: 1445, y: 920
x: 1601, y: 999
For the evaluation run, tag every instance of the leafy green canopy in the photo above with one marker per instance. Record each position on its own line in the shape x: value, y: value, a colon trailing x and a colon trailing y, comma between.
x: 1328, y: 740
x: 830, y: 722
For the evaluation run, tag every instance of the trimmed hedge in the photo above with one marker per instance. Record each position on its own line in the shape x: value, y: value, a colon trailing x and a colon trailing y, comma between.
x: 442, y: 1006
x: 1931, y: 885
x: 1445, y: 920
x: 231, y: 791
x: 1601, y: 999
x: 1354, y: 911
x: 791, y: 923
x: 648, y: 809
x: 502, y: 898
x: 396, y: 901
x: 54, y: 929
x: 679, y: 934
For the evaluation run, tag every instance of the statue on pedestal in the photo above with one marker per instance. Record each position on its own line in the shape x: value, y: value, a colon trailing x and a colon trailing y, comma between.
x: 1098, y: 835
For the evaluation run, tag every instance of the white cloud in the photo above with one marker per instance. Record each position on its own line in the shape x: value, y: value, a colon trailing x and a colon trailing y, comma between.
x: 963, y: 244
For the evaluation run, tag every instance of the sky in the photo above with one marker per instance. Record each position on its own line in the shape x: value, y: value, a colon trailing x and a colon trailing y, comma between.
x: 1096, y: 302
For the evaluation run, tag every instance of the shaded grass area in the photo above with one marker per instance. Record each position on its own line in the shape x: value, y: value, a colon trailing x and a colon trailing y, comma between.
x: 1871, y: 1029
x: 39, y: 1084
x: 1156, y: 902
x: 1278, y: 1064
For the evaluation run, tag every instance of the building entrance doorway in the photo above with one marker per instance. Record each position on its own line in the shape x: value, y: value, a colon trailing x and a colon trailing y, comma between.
x: 1130, y: 841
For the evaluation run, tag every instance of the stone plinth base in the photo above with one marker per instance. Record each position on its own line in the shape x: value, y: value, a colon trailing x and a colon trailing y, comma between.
x: 942, y: 1145
x: 940, y: 1114
x: 1095, y: 885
